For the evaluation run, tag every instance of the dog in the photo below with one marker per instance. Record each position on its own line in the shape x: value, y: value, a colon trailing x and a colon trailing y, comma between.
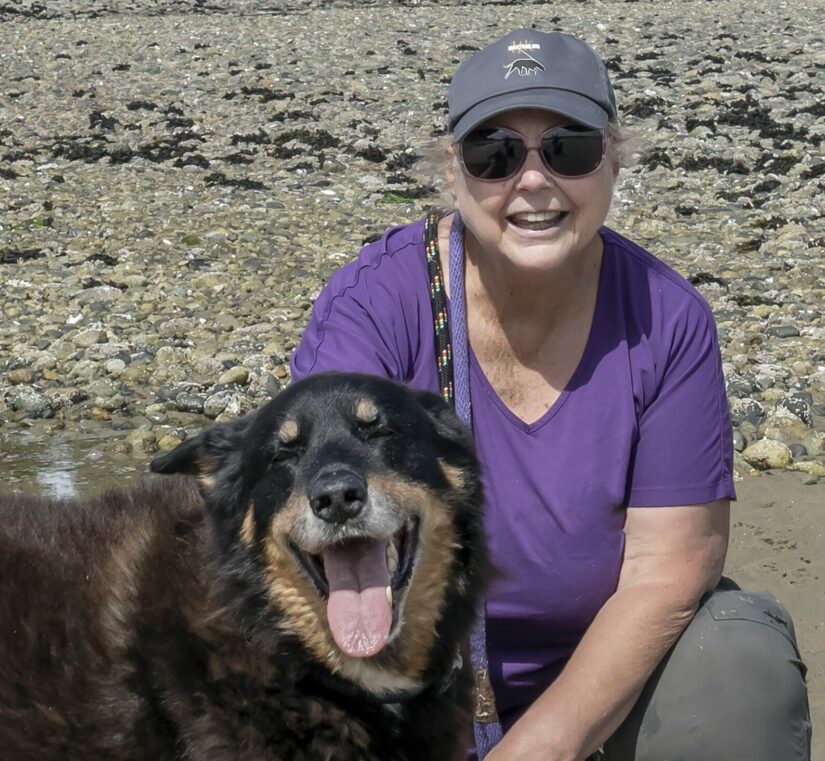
x: 299, y: 586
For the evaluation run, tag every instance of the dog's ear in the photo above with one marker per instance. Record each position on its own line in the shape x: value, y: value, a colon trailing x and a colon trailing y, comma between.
x: 202, y: 454
x: 447, y: 424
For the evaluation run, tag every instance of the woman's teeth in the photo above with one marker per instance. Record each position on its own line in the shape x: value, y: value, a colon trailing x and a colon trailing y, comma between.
x: 536, y: 220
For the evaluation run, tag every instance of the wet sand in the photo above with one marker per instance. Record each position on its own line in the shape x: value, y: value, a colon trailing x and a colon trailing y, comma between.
x: 777, y: 546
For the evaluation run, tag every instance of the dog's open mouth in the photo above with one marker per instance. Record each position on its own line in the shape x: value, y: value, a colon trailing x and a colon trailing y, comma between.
x: 363, y: 578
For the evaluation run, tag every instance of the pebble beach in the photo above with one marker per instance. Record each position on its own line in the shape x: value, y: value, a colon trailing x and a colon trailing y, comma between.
x: 179, y: 179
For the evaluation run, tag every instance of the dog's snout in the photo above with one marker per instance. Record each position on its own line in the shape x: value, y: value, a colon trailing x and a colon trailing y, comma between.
x: 338, y: 495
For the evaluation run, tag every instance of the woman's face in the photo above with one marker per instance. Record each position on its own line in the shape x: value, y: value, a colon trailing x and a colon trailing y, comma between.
x: 496, y: 213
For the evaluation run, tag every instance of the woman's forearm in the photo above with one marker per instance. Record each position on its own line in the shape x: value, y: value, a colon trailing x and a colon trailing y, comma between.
x: 603, y: 678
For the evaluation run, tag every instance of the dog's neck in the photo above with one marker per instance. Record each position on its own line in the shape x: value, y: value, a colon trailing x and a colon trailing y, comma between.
x: 439, y: 683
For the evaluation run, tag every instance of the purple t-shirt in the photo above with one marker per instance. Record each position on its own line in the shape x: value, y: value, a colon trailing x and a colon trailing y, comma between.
x: 643, y: 422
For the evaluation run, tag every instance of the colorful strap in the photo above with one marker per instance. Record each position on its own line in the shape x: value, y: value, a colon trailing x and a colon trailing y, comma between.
x: 438, y: 299
x: 454, y: 380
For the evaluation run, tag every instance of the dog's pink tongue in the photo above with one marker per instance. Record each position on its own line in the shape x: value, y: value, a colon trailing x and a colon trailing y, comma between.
x: 358, y: 611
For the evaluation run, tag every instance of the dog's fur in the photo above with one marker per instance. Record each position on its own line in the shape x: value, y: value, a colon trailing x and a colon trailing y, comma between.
x: 175, y: 621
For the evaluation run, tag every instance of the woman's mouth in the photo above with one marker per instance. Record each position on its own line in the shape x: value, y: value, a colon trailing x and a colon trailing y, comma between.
x: 536, y: 220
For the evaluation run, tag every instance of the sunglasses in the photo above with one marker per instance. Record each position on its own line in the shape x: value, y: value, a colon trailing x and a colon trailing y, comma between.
x: 492, y: 154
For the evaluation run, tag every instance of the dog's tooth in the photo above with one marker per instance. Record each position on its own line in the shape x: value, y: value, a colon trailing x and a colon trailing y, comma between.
x: 392, y: 557
x: 389, y: 595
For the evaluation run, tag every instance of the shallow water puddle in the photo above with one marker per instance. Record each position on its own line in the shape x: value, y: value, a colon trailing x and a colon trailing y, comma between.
x: 62, y: 464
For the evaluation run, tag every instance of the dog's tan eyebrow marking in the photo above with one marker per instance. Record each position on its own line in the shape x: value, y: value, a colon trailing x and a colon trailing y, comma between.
x: 288, y: 432
x: 248, y: 527
x: 366, y: 411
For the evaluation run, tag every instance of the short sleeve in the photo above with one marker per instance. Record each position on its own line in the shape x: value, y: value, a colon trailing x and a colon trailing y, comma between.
x: 684, y: 451
x: 345, y: 333
x: 374, y: 316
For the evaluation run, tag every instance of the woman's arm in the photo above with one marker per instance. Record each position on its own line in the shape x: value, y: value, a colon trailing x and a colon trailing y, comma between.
x: 673, y: 555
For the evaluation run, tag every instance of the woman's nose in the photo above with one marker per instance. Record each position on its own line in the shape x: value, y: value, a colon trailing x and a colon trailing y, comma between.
x: 533, y: 173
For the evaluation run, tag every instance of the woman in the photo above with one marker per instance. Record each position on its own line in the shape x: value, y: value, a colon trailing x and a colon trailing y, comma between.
x: 599, y: 414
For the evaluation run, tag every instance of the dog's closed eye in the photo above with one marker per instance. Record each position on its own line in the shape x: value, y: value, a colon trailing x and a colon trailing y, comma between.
x: 288, y: 452
x: 375, y: 430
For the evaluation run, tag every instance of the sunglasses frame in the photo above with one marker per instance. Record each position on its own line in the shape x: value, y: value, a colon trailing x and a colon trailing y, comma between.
x: 529, y: 148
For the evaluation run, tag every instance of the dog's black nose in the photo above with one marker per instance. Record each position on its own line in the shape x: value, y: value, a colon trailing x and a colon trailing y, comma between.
x: 338, y: 495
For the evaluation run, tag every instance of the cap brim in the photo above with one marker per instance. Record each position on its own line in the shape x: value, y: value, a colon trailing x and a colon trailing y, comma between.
x: 564, y: 102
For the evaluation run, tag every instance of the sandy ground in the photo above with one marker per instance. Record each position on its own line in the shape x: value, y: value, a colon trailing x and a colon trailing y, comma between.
x: 777, y: 546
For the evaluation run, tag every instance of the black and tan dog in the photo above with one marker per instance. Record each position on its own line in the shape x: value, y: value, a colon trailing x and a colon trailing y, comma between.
x: 306, y: 601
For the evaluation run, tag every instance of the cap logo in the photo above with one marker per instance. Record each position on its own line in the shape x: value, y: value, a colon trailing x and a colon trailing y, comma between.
x: 524, y: 65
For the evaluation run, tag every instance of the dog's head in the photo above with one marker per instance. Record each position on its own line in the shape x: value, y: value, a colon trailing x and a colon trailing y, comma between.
x: 347, y: 513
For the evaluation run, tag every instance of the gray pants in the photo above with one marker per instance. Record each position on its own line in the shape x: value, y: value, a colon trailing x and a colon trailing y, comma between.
x: 731, y: 689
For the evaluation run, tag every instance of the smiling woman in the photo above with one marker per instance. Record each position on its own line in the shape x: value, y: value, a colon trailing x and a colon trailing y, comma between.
x: 574, y: 354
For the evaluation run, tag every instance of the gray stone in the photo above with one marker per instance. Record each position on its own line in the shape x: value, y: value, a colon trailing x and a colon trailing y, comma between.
x: 43, y: 360
x: 747, y: 408
x: 103, y: 387
x: 140, y: 441
x: 186, y: 402
x: 31, y: 403
x: 238, y: 375
x: 84, y: 370
x: 115, y: 367
x: 156, y: 413
x: 783, y: 331
x: 89, y: 337
x: 739, y: 441
x: 234, y: 407
x: 102, y: 294
x: 798, y: 407
x: 168, y: 357
x: 216, y: 403
x: 798, y: 450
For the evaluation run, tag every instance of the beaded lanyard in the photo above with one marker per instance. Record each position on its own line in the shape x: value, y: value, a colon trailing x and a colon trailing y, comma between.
x: 452, y: 358
x: 438, y: 299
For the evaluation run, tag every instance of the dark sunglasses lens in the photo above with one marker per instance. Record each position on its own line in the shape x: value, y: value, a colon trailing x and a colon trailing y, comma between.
x: 492, y: 154
x: 572, y: 151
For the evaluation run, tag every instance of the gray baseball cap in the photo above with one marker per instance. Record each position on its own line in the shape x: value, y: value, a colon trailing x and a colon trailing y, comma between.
x: 531, y: 69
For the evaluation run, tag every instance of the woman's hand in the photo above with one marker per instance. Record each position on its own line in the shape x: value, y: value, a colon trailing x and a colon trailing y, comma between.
x: 673, y: 555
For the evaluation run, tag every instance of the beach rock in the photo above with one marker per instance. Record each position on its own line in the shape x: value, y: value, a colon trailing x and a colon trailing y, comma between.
x: 747, y: 409
x: 31, y: 403
x: 168, y: 441
x: 234, y: 375
x: 43, y: 361
x: 189, y: 402
x: 739, y: 441
x: 115, y: 367
x: 808, y: 466
x: 765, y: 454
x: 174, y: 232
x: 784, y: 426
x: 798, y: 407
x: 89, y: 337
x: 21, y: 376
